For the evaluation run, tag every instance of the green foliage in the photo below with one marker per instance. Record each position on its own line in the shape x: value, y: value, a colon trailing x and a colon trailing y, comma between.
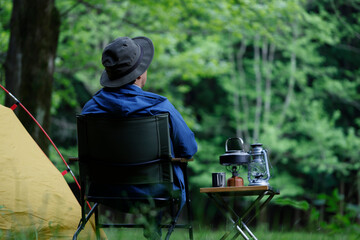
x: 5, y: 14
x: 341, y: 220
x: 284, y: 73
x: 303, y: 205
x: 279, y: 72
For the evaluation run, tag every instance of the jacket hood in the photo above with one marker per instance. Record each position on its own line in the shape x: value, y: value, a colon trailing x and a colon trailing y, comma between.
x: 127, y: 100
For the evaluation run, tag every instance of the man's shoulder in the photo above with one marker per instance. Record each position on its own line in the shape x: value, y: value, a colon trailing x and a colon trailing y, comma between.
x: 130, y: 92
x: 132, y: 89
x: 153, y: 95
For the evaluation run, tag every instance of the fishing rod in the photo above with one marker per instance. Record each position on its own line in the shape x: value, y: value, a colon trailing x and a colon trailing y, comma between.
x: 18, y: 103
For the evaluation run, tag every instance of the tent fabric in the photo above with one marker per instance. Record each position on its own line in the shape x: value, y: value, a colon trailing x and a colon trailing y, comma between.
x: 34, y: 196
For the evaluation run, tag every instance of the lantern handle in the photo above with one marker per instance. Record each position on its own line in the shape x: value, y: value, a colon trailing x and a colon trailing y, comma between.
x: 241, y: 143
x: 264, y: 151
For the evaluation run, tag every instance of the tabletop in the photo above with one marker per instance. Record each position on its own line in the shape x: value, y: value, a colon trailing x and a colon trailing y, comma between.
x: 240, y: 191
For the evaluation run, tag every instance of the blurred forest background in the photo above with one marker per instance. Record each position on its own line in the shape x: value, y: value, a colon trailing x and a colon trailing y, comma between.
x: 285, y: 73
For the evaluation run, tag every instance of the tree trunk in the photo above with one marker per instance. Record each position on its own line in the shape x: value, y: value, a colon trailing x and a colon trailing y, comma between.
x: 342, y: 198
x: 258, y: 82
x: 268, y: 61
x: 358, y: 194
x: 29, y: 66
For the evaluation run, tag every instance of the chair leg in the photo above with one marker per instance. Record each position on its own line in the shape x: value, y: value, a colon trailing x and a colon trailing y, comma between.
x: 171, y: 229
x: 84, y: 220
x: 190, y: 218
x: 173, y: 209
x: 173, y: 222
x: 191, y: 234
x: 188, y: 204
x: 97, y: 227
x: 78, y: 231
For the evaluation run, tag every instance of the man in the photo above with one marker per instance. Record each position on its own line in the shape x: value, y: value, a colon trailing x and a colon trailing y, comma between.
x: 126, y: 62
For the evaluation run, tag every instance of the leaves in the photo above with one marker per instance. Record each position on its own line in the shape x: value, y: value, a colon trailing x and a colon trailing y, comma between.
x: 303, y: 205
x: 287, y: 70
x: 200, y: 66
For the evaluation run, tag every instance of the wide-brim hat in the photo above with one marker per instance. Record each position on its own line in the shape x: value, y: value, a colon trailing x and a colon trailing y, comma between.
x: 125, y: 59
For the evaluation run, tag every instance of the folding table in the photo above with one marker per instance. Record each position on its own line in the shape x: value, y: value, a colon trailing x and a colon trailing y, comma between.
x: 240, y: 221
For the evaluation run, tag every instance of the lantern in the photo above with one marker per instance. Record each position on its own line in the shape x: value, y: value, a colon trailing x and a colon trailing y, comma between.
x: 258, y: 168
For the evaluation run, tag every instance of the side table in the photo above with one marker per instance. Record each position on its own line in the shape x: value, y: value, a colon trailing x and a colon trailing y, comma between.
x: 240, y: 221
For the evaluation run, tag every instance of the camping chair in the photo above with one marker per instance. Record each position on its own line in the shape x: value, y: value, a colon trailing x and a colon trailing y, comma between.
x: 117, y: 152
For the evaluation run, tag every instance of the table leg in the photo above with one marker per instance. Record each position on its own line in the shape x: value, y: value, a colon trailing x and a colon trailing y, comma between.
x: 248, y: 230
x: 225, y: 209
x: 231, y: 214
x: 253, y: 205
x: 250, y: 218
x: 241, y: 232
x: 239, y: 222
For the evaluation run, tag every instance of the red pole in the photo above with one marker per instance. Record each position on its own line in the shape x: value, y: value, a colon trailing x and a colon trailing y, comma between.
x: 47, y: 136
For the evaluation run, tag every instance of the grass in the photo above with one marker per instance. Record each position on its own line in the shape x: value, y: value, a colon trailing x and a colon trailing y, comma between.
x: 204, y: 233
x: 207, y: 234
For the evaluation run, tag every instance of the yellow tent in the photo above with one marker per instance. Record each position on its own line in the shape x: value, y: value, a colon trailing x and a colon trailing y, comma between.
x: 35, y: 200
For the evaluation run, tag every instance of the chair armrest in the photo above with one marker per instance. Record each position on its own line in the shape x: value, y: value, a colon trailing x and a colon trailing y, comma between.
x: 182, y: 160
x: 73, y: 159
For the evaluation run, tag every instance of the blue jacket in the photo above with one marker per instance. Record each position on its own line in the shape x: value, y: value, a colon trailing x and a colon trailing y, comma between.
x: 132, y: 101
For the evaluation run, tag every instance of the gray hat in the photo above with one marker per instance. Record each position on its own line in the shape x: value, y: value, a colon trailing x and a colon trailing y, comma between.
x: 125, y: 59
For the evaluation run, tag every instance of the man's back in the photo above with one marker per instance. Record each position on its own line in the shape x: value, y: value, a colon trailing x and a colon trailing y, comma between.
x: 132, y: 101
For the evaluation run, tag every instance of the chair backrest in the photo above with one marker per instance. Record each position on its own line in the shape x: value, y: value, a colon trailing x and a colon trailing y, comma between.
x: 124, y: 151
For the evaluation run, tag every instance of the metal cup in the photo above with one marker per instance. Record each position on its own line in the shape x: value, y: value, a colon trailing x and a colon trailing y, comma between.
x: 219, y: 179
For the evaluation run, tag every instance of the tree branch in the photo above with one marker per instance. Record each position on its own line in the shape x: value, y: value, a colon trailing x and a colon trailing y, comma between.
x: 242, y: 83
x: 236, y: 104
x: 268, y: 83
x: 86, y: 4
x: 66, y: 12
x: 290, y: 89
x: 337, y: 14
x: 348, y: 48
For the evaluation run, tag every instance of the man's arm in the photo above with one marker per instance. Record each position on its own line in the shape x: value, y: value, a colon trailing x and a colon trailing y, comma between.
x: 183, y: 139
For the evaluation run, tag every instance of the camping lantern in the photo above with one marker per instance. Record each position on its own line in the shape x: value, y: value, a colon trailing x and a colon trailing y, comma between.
x: 258, y: 168
x: 233, y: 158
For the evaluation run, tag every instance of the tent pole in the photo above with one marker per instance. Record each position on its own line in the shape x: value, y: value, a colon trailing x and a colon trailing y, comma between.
x: 47, y: 136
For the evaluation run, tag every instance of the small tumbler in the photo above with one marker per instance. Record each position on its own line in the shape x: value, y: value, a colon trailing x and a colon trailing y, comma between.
x: 219, y: 179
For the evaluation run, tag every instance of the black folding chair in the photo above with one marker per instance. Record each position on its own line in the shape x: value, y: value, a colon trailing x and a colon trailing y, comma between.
x: 115, y: 153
